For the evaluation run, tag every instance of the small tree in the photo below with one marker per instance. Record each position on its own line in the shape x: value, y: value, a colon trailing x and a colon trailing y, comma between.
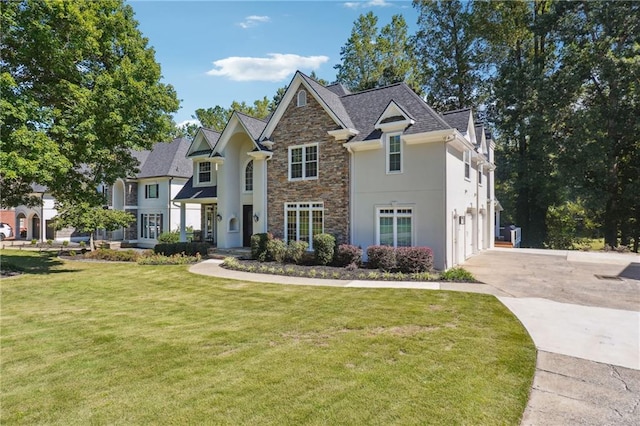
x: 86, y: 218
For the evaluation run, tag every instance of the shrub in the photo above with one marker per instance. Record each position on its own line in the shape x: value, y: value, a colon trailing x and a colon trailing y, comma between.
x: 259, y: 246
x: 176, y: 259
x: 382, y: 257
x: 49, y: 242
x: 72, y: 253
x: 186, y: 248
x: 324, y: 246
x: 351, y: 267
x: 414, y: 259
x: 457, y: 274
x: 113, y: 255
x: 348, y: 254
x: 231, y: 263
x: 34, y: 242
x: 65, y: 243
x: 276, y: 250
x: 82, y: 244
x: 169, y: 237
x: 295, y: 251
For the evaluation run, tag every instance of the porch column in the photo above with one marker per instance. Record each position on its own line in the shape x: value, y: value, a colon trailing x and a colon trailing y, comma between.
x: 183, y: 221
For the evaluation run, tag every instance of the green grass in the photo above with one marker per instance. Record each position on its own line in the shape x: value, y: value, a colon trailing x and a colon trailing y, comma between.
x: 103, y: 343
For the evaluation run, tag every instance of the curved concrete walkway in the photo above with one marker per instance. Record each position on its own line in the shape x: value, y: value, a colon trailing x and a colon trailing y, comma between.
x: 586, y: 329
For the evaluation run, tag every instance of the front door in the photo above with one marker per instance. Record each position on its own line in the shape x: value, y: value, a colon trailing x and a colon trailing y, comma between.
x: 209, y: 231
x: 247, y: 225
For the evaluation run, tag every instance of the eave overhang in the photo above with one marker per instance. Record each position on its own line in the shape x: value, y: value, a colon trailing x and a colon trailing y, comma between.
x: 342, y: 134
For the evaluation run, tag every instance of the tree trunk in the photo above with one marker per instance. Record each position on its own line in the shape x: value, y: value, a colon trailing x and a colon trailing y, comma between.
x: 91, y: 243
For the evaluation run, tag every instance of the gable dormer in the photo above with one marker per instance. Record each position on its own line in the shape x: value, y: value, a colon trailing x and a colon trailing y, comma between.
x: 203, y: 143
x: 394, y: 118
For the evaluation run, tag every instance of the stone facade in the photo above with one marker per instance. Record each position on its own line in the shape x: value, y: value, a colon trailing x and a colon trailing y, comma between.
x: 306, y: 125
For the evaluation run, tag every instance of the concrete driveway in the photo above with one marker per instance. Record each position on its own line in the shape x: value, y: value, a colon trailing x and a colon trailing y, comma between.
x: 582, y: 311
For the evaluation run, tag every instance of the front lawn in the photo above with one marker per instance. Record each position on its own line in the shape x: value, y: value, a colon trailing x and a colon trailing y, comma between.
x: 101, y: 343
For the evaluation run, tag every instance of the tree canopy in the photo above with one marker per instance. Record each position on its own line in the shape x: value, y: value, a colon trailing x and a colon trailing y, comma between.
x: 79, y: 87
x: 374, y: 58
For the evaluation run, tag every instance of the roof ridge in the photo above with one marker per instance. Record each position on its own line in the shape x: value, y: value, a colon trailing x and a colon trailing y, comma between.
x: 457, y: 110
x: 250, y: 116
x: 374, y: 89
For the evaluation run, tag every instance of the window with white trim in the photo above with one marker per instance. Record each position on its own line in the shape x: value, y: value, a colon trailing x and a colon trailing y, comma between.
x: 302, y: 98
x: 302, y: 221
x: 303, y: 162
x: 394, y: 154
x: 248, y: 177
x: 204, y: 172
x: 467, y: 164
x: 394, y: 226
x: 150, y: 225
x: 151, y: 191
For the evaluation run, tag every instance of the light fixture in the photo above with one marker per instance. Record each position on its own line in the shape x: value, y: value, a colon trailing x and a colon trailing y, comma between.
x: 219, y: 217
x: 256, y: 218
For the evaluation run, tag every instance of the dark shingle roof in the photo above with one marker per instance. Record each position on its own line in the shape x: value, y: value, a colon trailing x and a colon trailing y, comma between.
x: 338, y: 89
x: 366, y: 107
x: 188, y: 192
x: 165, y: 159
x: 255, y: 126
x: 458, y: 119
x: 211, y: 135
x: 332, y: 100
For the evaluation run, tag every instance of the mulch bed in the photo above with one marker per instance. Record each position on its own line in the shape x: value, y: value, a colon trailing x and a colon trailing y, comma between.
x: 329, y: 272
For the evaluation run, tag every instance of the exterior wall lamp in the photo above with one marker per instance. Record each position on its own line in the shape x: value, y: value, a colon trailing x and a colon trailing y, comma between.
x: 219, y: 217
x: 256, y: 217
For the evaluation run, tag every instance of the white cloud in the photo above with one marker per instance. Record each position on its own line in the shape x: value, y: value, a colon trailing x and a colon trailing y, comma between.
x: 365, y: 4
x: 275, y: 67
x: 187, y: 122
x: 253, y: 20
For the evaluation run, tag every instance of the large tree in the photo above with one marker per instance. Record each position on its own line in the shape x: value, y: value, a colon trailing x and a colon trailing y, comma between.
x: 450, y: 53
x: 374, y: 58
x: 79, y: 87
x: 601, y: 151
x: 528, y: 96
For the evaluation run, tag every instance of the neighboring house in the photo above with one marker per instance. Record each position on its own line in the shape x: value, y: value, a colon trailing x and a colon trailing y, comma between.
x: 148, y: 195
x: 373, y: 167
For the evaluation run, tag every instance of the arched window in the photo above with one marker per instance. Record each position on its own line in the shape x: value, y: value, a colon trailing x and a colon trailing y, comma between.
x: 248, y: 177
x: 302, y: 98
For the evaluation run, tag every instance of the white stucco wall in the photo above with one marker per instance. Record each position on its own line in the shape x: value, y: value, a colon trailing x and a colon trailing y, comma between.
x: 419, y: 186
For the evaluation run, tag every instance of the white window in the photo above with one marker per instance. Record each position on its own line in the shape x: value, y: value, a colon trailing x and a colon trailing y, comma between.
x: 248, y: 177
x: 303, y: 220
x: 394, y: 154
x: 150, y: 225
x: 394, y: 227
x: 151, y: 191
x: 303, y: 162
x: 302, y: 98
x: 467, y: 164
x: 204, y: 172
x: 480, y: 170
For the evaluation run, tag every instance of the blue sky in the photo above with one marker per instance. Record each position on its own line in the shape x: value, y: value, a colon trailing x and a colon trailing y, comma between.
x: 215, y: 52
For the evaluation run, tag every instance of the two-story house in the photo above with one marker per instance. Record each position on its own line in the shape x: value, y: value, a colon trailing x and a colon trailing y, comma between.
x: 373, y: 167
x: 148, y: 195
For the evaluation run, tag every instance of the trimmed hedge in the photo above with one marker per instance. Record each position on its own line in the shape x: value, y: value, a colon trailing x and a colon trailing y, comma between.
x: 381, y: 257
x: 295, y: 251
x: 402, y: 259
x: 259, y: 246
x: 323, y: 247
x: 414, y: 259
x: 348, y: 254
x: 276, y: 250
x: 187, y: 248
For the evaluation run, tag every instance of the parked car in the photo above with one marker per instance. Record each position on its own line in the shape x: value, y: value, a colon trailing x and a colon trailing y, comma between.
x: 5, y: 231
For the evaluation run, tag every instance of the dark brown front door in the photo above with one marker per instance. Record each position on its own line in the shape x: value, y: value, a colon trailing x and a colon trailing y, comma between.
x: 247, y: 225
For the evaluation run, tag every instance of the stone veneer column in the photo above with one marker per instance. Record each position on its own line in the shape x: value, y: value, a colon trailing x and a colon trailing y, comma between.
x: 306, y: 125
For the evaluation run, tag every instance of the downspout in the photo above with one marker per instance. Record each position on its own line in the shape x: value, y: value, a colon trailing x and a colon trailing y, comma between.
x: 169, y: 205
x: 447, y: 262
